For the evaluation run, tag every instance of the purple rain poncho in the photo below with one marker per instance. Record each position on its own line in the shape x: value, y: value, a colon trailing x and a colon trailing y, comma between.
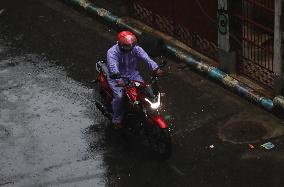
x: 125, y: 63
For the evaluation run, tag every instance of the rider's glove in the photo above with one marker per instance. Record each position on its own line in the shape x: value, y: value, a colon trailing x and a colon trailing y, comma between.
x: 158, y: 72
x: 120, y: 83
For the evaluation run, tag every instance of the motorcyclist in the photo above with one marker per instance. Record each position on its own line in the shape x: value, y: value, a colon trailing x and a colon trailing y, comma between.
x: 122, y: 58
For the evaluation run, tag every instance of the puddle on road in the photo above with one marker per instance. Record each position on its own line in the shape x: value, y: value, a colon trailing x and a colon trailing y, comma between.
x: 243, y: 129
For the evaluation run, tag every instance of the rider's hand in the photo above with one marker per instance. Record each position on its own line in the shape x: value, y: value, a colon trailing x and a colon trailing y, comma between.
x: 158, y: 72
x: 120, y: 83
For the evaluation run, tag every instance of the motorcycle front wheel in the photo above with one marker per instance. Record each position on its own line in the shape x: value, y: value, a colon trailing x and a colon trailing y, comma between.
x: 160, y: 141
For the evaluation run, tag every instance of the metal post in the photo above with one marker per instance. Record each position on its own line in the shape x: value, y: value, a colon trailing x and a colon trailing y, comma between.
x: 277, y: 63
x: 223, y: 26
x: 227, y: 57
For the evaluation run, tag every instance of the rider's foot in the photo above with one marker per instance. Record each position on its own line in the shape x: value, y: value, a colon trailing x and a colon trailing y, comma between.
x: 117, y: 126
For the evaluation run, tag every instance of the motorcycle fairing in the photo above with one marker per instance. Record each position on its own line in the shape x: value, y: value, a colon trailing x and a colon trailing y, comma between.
x: 102, y: 78
x: 104, y: 84
x: 132, y: 94
x: 159, y: 120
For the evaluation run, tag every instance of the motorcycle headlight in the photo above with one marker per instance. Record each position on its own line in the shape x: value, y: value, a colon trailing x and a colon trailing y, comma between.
x: 154, y: 105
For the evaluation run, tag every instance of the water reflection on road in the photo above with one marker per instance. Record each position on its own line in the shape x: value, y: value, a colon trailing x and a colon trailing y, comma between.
x: 43, y: 116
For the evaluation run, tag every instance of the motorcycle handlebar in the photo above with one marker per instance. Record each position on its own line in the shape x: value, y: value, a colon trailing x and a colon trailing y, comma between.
x: 128, y: 81
x: 118, y: 76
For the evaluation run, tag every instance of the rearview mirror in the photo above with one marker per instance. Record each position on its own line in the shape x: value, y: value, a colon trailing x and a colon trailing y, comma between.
x: 163, y: 63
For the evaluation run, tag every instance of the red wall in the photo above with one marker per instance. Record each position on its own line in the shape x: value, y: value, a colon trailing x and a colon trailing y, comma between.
x: 192, y: 21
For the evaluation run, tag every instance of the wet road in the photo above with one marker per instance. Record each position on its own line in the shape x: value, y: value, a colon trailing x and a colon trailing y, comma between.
x: 51, y: 134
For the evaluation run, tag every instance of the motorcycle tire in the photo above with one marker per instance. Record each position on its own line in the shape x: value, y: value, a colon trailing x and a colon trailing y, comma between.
x: 160, y: 141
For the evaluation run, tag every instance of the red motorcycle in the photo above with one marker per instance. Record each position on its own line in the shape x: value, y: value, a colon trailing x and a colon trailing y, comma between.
x: 142, y: 105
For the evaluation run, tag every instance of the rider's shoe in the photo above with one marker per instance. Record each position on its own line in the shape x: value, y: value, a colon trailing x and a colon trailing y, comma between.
x: 117, y: 126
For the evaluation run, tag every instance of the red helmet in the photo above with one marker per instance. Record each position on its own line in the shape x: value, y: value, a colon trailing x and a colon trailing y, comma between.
x: 126, y: 40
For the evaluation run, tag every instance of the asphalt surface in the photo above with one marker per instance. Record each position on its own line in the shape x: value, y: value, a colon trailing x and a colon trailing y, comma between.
x: 51, y: 133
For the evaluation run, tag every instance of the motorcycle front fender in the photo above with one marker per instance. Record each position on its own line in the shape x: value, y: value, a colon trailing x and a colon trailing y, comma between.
x: 159, y: 121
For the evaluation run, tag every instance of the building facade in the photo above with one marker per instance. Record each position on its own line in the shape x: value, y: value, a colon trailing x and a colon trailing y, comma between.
x: 239, y: 35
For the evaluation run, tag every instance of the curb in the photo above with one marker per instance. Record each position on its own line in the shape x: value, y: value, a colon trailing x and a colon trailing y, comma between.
x: 102, y: 13
x: 213, y: 72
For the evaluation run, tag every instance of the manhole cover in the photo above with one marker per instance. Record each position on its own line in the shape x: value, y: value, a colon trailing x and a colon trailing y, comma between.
x: 242, y: 131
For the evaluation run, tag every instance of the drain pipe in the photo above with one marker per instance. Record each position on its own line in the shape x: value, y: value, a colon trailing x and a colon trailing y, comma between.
x: 213, y: 72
